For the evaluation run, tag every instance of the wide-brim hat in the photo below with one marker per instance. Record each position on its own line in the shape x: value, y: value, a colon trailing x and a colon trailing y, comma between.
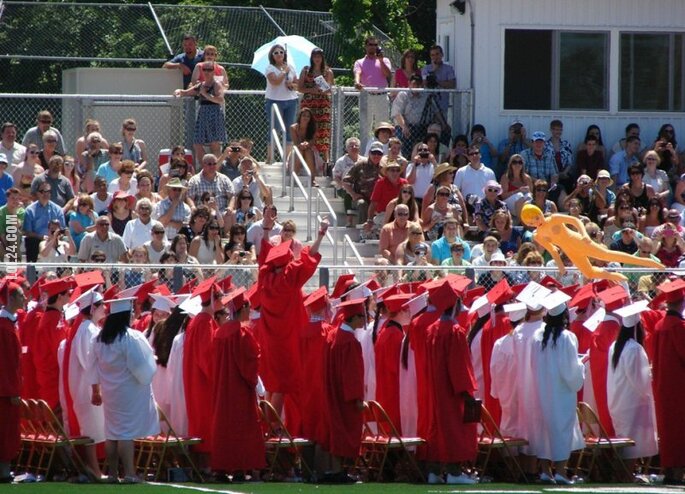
x: 175, y: 183
x: 120, y: 194
x: 604, y: 174
x: 383, y: 125
x: 443, y: 168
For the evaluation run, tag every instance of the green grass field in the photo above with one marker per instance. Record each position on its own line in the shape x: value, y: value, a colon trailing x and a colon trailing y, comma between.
x: 285, y: 488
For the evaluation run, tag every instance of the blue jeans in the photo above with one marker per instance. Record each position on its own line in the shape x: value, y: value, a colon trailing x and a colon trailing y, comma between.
x: 288, y: 109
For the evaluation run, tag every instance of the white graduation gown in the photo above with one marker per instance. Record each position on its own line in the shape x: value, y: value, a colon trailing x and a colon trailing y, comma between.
x: 631, y: 400
x: 560, y: 376
x: 174, y: 389
x: 159, y: 383
x: 365, y: 338
x: 409, y: 407
x: 124, y: 370
x: 477, y: 363
x: 91, y: 419
x: 503, y: 383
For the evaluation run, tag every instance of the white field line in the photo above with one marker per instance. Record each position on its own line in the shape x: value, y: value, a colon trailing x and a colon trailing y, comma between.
x: 193, y: 488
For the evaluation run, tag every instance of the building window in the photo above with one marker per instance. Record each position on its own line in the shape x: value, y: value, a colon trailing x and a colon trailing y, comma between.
x: 551, y: 70
x: 652, y: 77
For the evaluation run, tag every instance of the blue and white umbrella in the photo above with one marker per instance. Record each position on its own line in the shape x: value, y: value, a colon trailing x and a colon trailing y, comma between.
x: 298, y: 49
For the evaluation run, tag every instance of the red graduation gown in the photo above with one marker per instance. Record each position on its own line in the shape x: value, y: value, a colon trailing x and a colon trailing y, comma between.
x: 198, y: 378
x: 343, y: 387
x: 490, y: 334
x: 237, y: 441
x: 10, y: 386
x: 668, y: 370
x: 387, y: 349
x: 51, y: 331
x: 312, y: 342
x: 282, y: 317
x: 450, y: 373
x: 650, y: 319
x: 74, y: 427
x: 583, y: 335
x: 28, y: 327
x: 602, y: 338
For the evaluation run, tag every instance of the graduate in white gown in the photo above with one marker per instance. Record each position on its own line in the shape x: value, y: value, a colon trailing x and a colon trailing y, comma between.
x: 629, y: 387
x: 83, y: 418
x: 559, y: 376
x: 123, y: 366
x: 178, y: 417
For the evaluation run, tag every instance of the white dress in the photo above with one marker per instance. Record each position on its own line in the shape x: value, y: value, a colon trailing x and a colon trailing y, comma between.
x: 159, y: 383
x: 503, y: 383
x: 631, y: 400
x: 559, y: 376
x: 91, y: 419
x: 178, y: 417
x: 477, y: 363
x: 365, y: 338
x: 124, y: 370
x: 409, y: 407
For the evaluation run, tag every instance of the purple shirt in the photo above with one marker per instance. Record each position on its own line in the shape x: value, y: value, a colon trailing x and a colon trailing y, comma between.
x: 371, y: 71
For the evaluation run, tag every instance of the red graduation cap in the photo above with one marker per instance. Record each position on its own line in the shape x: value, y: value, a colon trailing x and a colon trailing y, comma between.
x: 459, y: 283
x: 89, y: 279
x: 111, y: 292
x: 550, y: 282
x: 236, y: 299
x: 253, y: 296
x: 600, y: 285
x: 430, y: 284
x: 570, y: 290
x: 394, y: 303
x: 444, y: 296
x: 206, y: 289
x: 518, y: 288
x: 351, y: 308
x: 411, y: 287
x: 58, y: 286
x: 317, y: 300
x: 385, y: 293
x: 582, y: 297
x: 473, y: 294
x: 145, y: 290
x: 226, y: 284
x: 342, y: 285
x: 614, y: 298
x: 188, y: 287
x: 372, y: 284
x: 500, y: 293
x: 35, y: 289
x: 280, y: 255
x: 658, y: 301
x: 162, y: 289
x: 673, y: 291
x: 6, y: 287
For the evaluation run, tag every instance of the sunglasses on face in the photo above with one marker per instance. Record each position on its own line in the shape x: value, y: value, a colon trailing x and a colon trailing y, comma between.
x: 406, y: 192
x: 98, y: 259
x: 443, y: 194
x: 278, y: 52
x: 116, y: 152
x: 45, y: 191
x: 540, y: 190
x: 214, y: 228
x: 158, y: 232
x: 401, y: 214
x: 45, y: 121
x: 516, y: 162
x: 474, y: 154
x: 491, y: 189
x: 288, y: 230
x: 34, y: 152
x: 130, y: 129
x: 208, y: 70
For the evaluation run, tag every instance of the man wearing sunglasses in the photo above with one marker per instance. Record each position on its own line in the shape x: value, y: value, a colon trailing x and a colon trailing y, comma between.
x: 37, y: 220
x: 35, y: 134
x: 373, y: 71
x: 471, y: 179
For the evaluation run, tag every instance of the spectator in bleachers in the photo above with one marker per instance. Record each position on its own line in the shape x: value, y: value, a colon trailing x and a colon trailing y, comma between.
x: 139, y: 230
x: 206, y: 248
x: 95, y: 156
x: 245, y: 212
x: 374, y: 71
x: 179, y: 246
x: 444, y: 176
x: 210, y: 55
x: 178, y: 168
x: 126, y: 181
x: 517, y: 185
x: 341, y: 168
x: 575, y: 209
x: 535, y: 260
x: 674, y: 218
x: 518, y: 258
x: 539, y: 199
x: 382, y: 133
x: 60, y: 186
x: 621, y: 161
x: 134, y: 149
x: 560, y: 148
x: 251, y: 179
x: 13, y: 152
x: 157, y: 245
x: 360, y: 180
x: 624, y: 213
x: 288, y: 232
x: 405, y: 196
x: 627, y: 240
x: 457, y: 155
x: 432, y: 140
x: 602, y: 184
x: 487, y: 249
x: 58, y: 246
x: 653, y: 216
x: 393, y: 234
x: 110, y: 169
x: 395, y: 154
x: 24, y: 173
x: 121, y: 211
x: 11, y: 244
x: 172, y: 211
x: 210, y: 180
x: 407, y: 113
x: 456, y: 259
x: 539, y: 161
x: 186, y: 61
x: 509, y: 237
x: 589, y: 160
x: 638, y: 191
x: 485, y: 207
x: 101, y: 197
x: 81, y: 219
x: 6, y: 180
x: 666, y: 146
x: 488, y: 151
x: 584, y: 192
x: 135, y: 276
x: 593, y: 131
x: 385, y: 190
x: 267, y: 227
x: 408, y: 68
x: 238, y: 250
x: 471, y: 179
x: 82, y: 142
x: 491, y: 277
x: 166, y: 276
x: 281, y: 90
x: 69, y: 171
x: 406, y: 252
x: 104, y: 240
x: 318, y: 100
x: 515, y: 142
x: 668, y: 246
x: 145, y: 188
x: 420, y: 172
x: 196, y: 225
x: 632, y: 130
x: 302, y: 134
x: 433, y: 217
x: 48, y: 148
x: 656, y: 177
x: 35, y: 134
x: 440, y: 249
x: 230, y: 160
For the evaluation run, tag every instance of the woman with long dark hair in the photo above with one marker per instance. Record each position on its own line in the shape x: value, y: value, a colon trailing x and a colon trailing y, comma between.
x: 560, y: 375
x: 629, y: 387
x: 123, y: 365
x: 317, y: 98
x: 206, y: 248
x: 302, y: 133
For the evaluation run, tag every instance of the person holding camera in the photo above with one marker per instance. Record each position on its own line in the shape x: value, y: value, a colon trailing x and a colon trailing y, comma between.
x: 373, y: 71
x: 439, y: 75
x: 515, y: 142
x: 58, y: 245
x: 230, y: 160
x: 238, y: 250
x: 407, y: 113
x: 251, y: 180
x: 584, y: 192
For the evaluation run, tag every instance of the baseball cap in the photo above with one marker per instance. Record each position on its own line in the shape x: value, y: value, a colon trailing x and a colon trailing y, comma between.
x: 538, y: 136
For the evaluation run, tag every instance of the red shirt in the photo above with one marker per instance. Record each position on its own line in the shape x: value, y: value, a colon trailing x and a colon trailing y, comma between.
x: 385, y: 191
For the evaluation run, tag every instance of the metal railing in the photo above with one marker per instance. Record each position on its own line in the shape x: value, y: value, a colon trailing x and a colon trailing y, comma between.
x: 333, y: 220
x: 347, y: 241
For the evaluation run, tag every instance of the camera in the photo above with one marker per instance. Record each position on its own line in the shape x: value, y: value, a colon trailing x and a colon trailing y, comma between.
x: 235, y: 149
x: 62, y: 231
x: 517, y: 130
x: 250, y: 172
x: 379, y: 51
x: 424, y: 154
x: 431, y: 81
x: 242, y: 253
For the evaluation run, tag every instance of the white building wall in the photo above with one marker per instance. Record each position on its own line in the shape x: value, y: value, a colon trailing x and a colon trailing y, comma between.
x: 492, y: 17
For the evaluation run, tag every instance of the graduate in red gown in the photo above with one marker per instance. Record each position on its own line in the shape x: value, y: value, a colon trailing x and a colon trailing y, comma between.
x: 50, y: 333
x: 343, y: 382
x: 449, y: 441
x: 27, y: 333
x: 668, y: 377
x: 388, y: 348
x: 582, y: 301
x: 198, y: 372
x: 602, y: 338
x: 10, y: 377
x: 280, y: 280
x: 237, y: 440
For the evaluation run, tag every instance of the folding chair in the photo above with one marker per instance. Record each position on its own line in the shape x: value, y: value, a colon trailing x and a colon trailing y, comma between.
x: 46, y: 437
x: 598, y: 443
x: 165, y: 449
x: 379, y: 438
x: 490, y: 440
x: 277, y: 438
x: 28, y: 433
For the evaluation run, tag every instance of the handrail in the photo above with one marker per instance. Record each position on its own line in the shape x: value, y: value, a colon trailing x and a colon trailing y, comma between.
x: 348, y: 241
x: 333, y: 220
x: 276, y: 115
x: 295, y: 180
